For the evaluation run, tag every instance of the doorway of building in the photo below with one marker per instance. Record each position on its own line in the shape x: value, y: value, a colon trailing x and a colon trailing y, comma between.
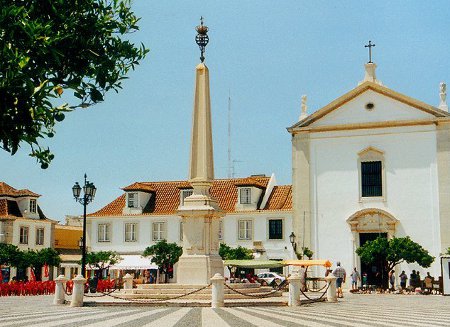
x: 375, y: 273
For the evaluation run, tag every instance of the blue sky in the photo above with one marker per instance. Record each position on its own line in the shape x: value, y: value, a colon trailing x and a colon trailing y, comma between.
x: 267, y: 54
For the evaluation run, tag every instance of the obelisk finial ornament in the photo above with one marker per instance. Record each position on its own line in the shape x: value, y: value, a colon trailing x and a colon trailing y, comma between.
x: 202, y: 38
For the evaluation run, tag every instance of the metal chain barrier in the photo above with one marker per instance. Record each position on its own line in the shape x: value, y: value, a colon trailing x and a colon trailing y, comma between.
x: 102, y: 293
x: 158, y: 300
x: 320, y: 297
x: 261, y: 295
x: 319, y: 290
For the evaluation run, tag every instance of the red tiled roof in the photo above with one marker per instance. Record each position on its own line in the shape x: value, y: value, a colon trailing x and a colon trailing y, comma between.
x: 145, y: 187
x: 9, y: 209
x: 6, y: 190
x: 166, y: 197
x: 251, y: 181
x: 280, y: 199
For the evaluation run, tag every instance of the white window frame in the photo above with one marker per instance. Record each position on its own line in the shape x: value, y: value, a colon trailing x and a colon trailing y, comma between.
x: 245, y: 229
x: 245, y: 195
x: 159, y: 230
x: 33, y: 205
x: 367, y: 155
x: 133, y: 200
x: 184, y: 194
x: 24, y: 234
x: 103, y: 233
x: 40, y: 235
x: 131, y: 234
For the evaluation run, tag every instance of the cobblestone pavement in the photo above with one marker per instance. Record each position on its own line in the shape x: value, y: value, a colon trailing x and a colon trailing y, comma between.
x: 353, y: 310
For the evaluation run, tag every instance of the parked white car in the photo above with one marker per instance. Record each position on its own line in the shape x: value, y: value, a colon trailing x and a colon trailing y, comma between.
x: 270, y: 277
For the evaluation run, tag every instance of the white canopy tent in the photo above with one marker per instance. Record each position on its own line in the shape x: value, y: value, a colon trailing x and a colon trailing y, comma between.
x: 133, y: 261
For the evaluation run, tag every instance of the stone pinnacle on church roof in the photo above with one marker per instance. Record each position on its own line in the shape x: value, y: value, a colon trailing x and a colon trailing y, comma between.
x: 202, y: 38
x: 370, y: 67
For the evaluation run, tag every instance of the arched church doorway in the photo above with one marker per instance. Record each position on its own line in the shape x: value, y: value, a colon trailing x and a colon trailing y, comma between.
x: 374, y: 271
x: 366, y: 225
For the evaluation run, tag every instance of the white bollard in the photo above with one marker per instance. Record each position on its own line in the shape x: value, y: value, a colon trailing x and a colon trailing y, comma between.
x: 295, y: 282
x: 60, y: 296
x: 331, y: 291
x: 127, y: 282
x: 78, y: 291
x: 217, y: 292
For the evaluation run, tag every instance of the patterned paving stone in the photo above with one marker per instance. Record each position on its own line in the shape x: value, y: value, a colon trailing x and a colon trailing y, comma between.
x: 353, y: 310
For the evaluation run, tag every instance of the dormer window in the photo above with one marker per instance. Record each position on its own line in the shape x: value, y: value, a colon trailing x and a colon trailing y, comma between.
x: 33, y: 205
x: 132, y: 200
x: 245, y: 195
x: 185, y: 194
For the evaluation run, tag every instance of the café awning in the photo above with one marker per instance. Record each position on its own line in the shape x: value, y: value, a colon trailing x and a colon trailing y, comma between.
x: 134, y: 261
x: 307, y: 263
x: 255, y: 264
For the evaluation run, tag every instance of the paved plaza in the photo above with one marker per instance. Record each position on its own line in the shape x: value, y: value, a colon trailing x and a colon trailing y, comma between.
x: 353, y: 310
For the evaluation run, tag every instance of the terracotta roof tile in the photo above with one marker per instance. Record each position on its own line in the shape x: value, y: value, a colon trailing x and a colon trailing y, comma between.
x: 145, y: 187
x: 280, y: 199
x: 166, y: 196
x: 6, y: 190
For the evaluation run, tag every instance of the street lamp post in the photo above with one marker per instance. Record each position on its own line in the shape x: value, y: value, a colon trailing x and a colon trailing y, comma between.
x: 88, y: 196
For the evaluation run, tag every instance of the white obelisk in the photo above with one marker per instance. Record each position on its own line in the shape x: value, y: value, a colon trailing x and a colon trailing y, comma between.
x: 200, y: 213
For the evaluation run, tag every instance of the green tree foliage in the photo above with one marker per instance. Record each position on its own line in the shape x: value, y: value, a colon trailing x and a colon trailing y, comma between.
x: 51, y: 46
x: 99, y: 261
x: 36, y: 259
x: 164, y: 255
x: 10, y: 255
x: 239, y: 253
x: 394, y: 251
x: 448, y: 251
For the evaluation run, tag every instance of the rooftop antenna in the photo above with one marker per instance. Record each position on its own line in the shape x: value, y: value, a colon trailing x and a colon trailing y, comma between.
x: 230, y: 163
x: 233, y: 170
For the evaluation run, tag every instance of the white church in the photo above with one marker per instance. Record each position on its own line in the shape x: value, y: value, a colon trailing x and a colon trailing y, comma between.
x: 372, y: 162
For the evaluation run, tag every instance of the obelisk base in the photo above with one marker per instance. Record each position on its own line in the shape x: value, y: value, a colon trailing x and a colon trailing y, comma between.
x: 198, y: 269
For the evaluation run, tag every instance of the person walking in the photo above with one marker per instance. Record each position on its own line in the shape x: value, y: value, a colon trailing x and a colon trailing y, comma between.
x: 340, y: 275
x: 355, y: 276
x: 403, y: 278
x: 392, y: 280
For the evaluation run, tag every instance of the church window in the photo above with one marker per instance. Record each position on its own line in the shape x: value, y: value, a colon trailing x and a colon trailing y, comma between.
x: 275, y: 229
x: 371, y: 179
x: 104, y: 233
x: 132, y: 200
x: 245, y: 195
x: 245, y: 229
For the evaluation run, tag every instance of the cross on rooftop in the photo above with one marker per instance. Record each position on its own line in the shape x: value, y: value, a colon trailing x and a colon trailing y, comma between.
x: 370, y: 45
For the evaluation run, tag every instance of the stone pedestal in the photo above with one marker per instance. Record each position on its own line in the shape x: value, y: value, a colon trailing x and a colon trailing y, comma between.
x: 78, y: 291
x: 217, y: 293
x: 295, y: 283
x: 198, y: 269
x: 60, y: 296
x: 331, y: 291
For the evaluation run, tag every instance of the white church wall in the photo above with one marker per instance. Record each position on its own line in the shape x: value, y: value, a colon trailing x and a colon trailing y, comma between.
x: 411, y: 187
